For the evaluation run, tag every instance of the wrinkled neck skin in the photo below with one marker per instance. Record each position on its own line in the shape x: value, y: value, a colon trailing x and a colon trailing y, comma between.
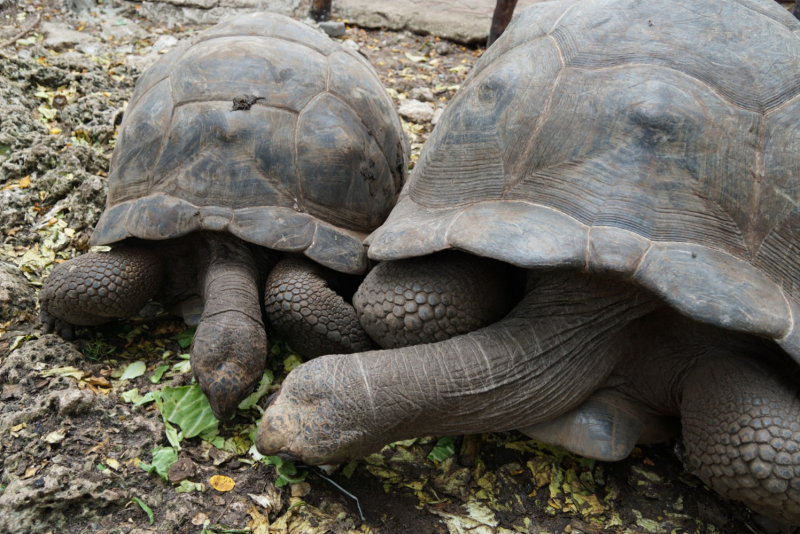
x: 555, y: 348
x: 230, y: 345
x: 549, y: 354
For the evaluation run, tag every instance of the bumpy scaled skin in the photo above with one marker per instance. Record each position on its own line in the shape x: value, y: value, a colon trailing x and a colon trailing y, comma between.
x: 741, y: 428
x: 306, y: 311
x: 433, y: 298
x: 95, y: 288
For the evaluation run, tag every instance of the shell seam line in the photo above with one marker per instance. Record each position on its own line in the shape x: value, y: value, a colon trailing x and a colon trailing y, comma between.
x: 639, y: 263
x: 300, y: 192
x: 760, y: 179
x: 164, y: 140
x: 791, y: 315
x: 564, y: 14
x: 561, y: 56
x: 371, y: 69
x: 164, y: 78
x: 449, y: 226
x: 685, y: 74
x: 255, y: 104
x: 296, y: 158
x: 328, y: 74
x: 588, y: 248
x: 313, y: 239
x: 540, y: 120
x: 783, y: 105
x: 261, y: 37
x: 134, y: 105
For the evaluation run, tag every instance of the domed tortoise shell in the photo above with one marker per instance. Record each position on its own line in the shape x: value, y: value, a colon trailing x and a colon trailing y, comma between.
x: 264, y: 128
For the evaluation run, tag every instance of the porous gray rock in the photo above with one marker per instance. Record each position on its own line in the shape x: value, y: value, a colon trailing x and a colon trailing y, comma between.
x: 121, y: 29
x: 416, y: 111
x: 61, y: 37
x: 17, y: 296
x: 423, y: 94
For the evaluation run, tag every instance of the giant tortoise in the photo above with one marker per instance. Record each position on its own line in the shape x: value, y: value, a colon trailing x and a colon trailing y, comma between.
x: 259, y: 148
x: 636, y: 165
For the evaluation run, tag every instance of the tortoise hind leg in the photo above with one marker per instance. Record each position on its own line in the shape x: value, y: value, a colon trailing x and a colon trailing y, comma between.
x: 309, y: 314
x: 741, y: 429
x: 95, y: 288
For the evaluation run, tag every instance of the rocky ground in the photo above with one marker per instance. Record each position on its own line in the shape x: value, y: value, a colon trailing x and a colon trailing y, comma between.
x: 107, y: 434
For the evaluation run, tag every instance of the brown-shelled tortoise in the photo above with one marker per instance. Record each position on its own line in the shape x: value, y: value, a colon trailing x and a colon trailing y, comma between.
x: 625, y: 175
x: 261, y: 147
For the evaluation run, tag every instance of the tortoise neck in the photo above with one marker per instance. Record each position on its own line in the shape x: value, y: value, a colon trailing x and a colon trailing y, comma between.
x: 230, y: 281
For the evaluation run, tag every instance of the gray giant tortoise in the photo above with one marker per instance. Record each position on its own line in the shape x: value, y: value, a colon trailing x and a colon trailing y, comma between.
x: 637, y: 164
x: 259, y: 146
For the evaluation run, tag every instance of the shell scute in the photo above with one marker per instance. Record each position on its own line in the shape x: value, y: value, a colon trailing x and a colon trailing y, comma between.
x: 157, y: 72
x: 291, y: 231
x: 283, y: 74
x: 521, y: 234
x: 273, y: 26
x: 341, y: 166
x: 364, y: 96
x: 698, y: 281
x: 215, y: 156
x: 139, y: 144
x: 614, y: 250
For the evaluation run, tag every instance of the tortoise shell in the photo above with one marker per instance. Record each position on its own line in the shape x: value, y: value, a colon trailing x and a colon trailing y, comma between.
x: 311, y: 161
x: 656, y: 144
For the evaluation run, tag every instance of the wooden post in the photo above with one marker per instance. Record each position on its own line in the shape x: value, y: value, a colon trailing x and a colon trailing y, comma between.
x: 503, y: 12
x: 320, y: 10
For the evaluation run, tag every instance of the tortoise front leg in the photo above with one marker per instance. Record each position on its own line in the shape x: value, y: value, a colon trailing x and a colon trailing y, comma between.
x: 741, y: 429
x: 95, y: 288
x: 308, y: 314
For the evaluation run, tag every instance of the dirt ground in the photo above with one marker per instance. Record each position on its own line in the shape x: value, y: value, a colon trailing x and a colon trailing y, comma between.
x: 74, y: 444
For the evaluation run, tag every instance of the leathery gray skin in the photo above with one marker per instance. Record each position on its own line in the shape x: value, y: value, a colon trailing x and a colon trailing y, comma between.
x: 639, y: 166
x: 585, y: 362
